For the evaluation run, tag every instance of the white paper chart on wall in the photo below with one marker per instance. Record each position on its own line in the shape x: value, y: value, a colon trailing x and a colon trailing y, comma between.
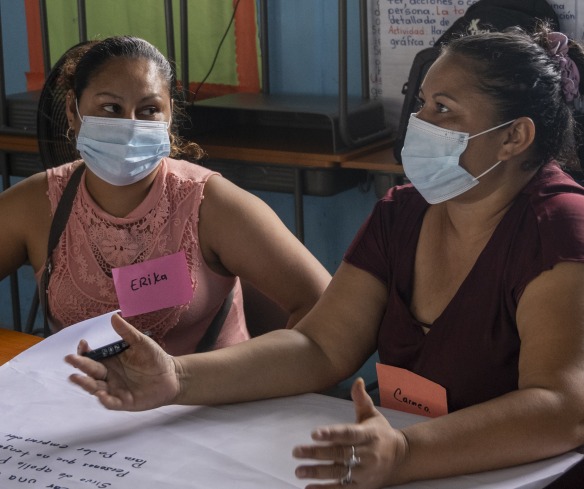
x: 398, y: 29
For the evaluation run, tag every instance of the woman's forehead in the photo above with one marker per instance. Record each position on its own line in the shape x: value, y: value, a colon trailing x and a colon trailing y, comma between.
x: 453, y: 75
x: 129, y: 74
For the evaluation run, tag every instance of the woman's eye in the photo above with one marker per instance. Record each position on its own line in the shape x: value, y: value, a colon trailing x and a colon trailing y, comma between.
x: 420, y: 104
x: 111, y: 108
x: 149, y: 111
x: 441, y: 108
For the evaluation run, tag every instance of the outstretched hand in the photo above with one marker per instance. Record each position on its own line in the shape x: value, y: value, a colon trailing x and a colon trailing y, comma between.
x: 140, y: 378
x: 364, y: 455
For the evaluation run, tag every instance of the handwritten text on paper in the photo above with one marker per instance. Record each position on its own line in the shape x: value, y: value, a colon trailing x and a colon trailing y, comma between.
x: 27, y: 461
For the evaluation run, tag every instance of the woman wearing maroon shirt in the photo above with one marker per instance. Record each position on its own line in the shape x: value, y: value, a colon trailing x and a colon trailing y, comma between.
x: 472, y: 277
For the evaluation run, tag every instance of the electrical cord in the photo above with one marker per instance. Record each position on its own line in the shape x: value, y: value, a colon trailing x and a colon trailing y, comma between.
x: 195, y: 93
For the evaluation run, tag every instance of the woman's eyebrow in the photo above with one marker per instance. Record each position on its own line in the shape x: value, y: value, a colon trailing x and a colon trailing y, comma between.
x: 446, y: 95
x: 118, y: 97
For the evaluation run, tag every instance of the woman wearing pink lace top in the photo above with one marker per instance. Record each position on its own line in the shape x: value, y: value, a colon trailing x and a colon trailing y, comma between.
x: 139, y: 216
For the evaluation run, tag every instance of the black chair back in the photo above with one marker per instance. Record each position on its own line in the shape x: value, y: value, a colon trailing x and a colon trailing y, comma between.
x: 55, y: 147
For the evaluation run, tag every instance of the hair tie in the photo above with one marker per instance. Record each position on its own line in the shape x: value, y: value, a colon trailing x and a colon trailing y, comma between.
x: 558, y: 48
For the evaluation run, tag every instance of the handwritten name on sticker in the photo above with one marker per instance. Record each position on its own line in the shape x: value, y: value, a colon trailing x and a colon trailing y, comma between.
x: 138, y: 283
x: 406, y: 391
x: 153, y: 285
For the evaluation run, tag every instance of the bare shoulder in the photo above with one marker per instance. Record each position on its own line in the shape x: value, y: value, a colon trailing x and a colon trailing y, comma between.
x: 227, y: 208
x: 241, y: 235
x: 550, y: 322
x: 221, y: 193
x: 25, y: 214
x: 25, y: 207
x: 552, y: 296
x: 27, y: 195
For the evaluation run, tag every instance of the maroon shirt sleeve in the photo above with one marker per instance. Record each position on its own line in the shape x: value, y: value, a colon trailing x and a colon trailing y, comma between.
x: 368, y: 249
x: 395, y: 219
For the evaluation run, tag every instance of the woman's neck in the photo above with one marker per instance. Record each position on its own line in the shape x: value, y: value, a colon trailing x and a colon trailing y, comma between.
x: 478, y: 215
x: 118, y: 201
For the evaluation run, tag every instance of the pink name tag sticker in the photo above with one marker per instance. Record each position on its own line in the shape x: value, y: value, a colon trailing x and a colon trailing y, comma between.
x: 153, y: 284
x: 406, y: 391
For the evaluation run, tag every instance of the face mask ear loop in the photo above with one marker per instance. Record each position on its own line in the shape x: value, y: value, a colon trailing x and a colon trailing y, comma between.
x: 492, y: 128
x: 489, y: 130
x: 489, y: 169
x: 77, y: 109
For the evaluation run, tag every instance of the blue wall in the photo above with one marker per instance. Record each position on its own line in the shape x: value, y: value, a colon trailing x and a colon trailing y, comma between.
x: 303, y: 40
x: 15, y: 45
x: 303, y: 59
x: 303, y: 46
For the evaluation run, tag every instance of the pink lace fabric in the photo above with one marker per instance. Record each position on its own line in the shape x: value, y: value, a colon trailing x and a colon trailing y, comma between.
x: 94, y: 242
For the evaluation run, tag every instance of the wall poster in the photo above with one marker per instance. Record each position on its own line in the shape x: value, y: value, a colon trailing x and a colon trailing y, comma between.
x: 398, y: 29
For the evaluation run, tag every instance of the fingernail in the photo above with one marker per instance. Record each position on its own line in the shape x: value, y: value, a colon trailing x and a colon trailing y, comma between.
x: 302, y: 452
x: 319, y: 434
x: 301, y: 472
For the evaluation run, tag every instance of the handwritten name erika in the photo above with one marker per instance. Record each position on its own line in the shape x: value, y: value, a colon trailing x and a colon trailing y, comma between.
x: 399, y: 397
x: 147, y: 281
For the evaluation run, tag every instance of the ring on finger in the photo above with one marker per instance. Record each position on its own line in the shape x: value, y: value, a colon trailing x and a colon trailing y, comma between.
x: 353, y: 460
x: 348, y: 477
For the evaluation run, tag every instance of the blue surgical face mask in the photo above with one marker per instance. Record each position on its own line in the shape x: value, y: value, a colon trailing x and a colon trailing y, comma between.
x: 430, y: 158
x: 122, y: 151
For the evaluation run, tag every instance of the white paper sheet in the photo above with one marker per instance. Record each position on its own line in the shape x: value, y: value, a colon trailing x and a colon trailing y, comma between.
x: 54, y: 435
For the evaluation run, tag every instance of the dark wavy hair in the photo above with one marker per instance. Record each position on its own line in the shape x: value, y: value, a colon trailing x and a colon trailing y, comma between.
x: 515, y: 70
x: 86, y: 61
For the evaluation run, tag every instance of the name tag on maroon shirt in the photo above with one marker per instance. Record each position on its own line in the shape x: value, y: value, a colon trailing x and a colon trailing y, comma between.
x: 153, y: 284
x: 406, y: 391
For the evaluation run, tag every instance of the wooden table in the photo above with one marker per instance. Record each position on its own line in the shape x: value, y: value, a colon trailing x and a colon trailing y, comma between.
x: 12, y: 343
x: 381, y: 160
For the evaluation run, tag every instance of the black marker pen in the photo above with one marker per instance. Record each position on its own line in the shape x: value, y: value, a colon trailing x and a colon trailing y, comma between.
x: 109, y: 350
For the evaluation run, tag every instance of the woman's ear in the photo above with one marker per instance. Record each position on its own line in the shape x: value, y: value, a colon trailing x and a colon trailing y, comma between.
x: 71, y: 108
x: 518, y: 138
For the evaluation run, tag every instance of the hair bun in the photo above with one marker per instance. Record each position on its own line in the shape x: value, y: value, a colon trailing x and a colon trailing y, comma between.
x: 558, y: 48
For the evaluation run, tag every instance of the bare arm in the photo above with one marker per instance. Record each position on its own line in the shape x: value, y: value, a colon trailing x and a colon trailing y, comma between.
x: 241, y: 235
x: 25, y: 220
x: 327, y: 345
